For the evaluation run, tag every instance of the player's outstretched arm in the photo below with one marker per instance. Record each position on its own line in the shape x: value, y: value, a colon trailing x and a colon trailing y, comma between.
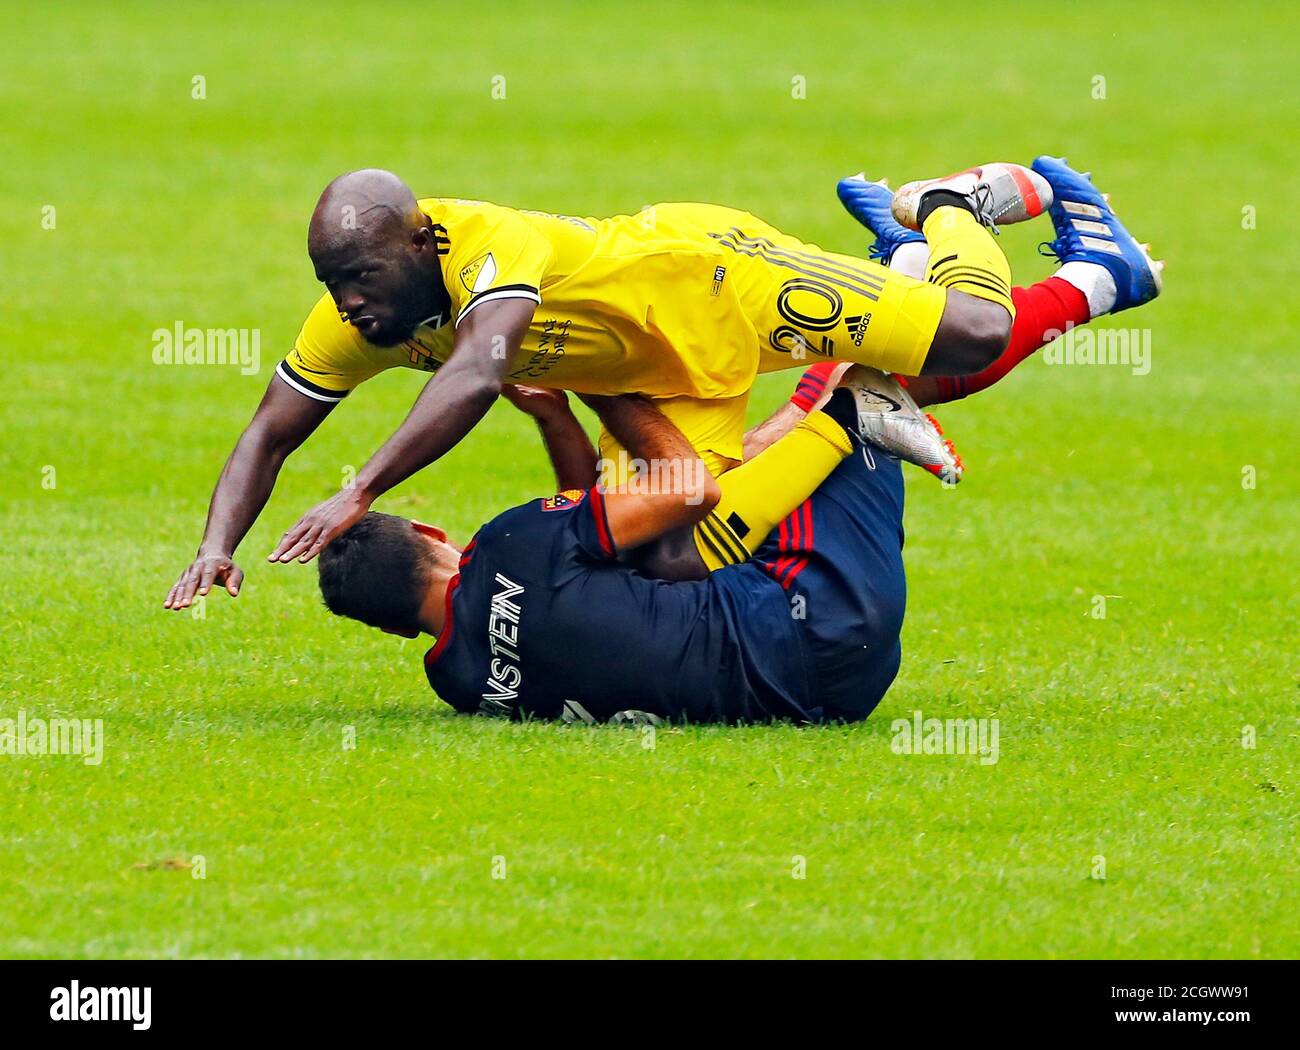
x: 448, y: 408
x: 572, y: 455
x: 677, y: 489
x: 282, y: 422
x: 795, y: 411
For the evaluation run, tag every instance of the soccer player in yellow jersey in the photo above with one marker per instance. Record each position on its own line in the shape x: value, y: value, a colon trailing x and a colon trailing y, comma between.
x: 684, y: 303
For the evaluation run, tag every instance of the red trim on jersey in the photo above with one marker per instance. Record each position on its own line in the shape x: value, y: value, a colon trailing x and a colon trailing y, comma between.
x: 602, y: 521
x: 783, y: 544
x: 431, y: 657
x: 794, y: 539
x: 806, y: 512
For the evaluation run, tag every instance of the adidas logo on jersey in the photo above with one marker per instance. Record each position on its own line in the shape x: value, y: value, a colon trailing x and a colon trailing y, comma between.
x: 857, y: 327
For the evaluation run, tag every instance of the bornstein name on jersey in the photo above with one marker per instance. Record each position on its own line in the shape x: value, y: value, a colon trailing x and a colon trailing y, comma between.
x: 504, y: 673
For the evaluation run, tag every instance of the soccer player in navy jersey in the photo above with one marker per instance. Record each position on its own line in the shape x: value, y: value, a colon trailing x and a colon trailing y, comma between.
x: 542, y: 614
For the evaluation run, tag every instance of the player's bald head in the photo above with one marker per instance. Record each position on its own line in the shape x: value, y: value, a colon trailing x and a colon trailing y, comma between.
x: 375, y: 252
x: 366, y: 208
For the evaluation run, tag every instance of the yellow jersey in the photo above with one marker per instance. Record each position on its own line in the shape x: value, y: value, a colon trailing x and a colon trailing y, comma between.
x: 677, y: 301
x: 634, y: 303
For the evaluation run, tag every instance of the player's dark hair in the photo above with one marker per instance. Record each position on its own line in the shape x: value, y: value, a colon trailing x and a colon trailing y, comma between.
x: 377, y: 572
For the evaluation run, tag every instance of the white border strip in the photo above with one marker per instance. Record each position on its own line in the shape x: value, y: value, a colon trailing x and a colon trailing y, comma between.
x: 282, y: 371
x: 504, y: 293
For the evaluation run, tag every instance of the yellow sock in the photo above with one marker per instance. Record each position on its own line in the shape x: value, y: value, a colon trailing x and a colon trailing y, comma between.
x: 964, y: 256
x: 757, y: 494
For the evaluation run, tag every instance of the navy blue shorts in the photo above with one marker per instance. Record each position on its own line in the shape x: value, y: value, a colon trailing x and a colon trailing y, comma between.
x: 839, y: 557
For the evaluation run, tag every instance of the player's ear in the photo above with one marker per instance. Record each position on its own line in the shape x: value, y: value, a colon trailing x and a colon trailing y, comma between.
x: 432, y: 531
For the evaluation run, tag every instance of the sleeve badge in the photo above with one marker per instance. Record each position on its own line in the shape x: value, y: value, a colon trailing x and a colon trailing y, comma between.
x: 564, y: 500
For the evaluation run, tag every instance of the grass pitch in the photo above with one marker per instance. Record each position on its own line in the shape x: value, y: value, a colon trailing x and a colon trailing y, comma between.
x: 1169, y: 494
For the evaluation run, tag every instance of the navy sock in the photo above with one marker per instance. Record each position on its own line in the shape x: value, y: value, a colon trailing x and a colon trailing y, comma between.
x: 844, y: 410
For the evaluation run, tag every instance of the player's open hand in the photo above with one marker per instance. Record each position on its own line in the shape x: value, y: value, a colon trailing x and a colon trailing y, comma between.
x: 536, y: 401
x: 205, y: 571
x: 319, y: 525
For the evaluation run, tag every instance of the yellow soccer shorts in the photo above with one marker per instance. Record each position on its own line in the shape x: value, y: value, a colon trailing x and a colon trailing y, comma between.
x: 714, y: 427
x: 806, y: 304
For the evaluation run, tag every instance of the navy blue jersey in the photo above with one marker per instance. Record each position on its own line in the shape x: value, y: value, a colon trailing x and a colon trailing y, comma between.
x: 542, y: 613
x: 839, y: 559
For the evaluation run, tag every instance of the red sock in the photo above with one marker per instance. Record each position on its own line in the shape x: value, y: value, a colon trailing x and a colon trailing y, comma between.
x: 812, y: 384
x: 1043, y: 311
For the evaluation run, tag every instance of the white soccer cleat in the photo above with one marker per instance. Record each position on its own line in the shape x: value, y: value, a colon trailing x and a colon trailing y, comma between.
x: 999, y: 194
x: 891, y: 420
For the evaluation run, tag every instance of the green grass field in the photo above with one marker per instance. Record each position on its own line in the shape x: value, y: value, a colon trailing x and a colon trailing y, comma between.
x: 1121, y: 738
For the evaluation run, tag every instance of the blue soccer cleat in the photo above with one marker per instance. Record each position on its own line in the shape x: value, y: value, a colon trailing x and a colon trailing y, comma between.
x: 1088, y: 231
x: 870, y: 203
